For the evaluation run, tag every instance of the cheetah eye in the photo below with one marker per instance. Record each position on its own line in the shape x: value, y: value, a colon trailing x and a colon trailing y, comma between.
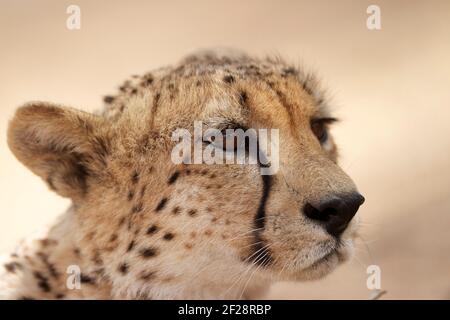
x: 228, y: 136
x: 320, y: 128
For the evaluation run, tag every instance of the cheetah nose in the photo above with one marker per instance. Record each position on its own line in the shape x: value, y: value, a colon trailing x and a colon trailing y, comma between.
x: 335, y: 212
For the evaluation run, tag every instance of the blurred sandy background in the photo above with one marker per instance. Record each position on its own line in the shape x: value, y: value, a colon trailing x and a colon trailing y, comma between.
x: 391, y: 88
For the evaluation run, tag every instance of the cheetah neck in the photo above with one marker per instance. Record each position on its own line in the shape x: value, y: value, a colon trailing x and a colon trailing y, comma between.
x: 55, y: 266
x: 51, y: 266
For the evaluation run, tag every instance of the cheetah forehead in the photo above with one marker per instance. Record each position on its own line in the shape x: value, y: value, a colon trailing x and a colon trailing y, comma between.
x: 203, y: 71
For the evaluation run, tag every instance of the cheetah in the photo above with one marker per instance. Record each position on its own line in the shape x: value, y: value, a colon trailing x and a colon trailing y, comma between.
x: 142, y: 227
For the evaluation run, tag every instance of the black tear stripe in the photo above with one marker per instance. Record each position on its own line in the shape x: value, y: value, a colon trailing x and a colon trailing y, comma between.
x: 173, y: 177
x: 259, y: 252
x: 261, y: 213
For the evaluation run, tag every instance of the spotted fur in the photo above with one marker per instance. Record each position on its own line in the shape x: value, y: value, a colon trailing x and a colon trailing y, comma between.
x: 141, y: 226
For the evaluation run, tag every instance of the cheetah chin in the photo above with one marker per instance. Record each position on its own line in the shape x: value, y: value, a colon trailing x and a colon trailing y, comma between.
x: 143, y: 227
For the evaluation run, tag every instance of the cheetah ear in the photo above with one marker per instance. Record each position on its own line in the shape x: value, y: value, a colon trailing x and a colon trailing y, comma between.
x: 64, y: 146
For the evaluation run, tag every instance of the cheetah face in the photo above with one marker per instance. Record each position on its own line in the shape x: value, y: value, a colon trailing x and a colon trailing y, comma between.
x: 142, y: 217
x: 297, y: 223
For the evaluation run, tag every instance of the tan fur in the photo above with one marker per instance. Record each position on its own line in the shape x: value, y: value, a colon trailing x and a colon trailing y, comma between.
x: 200, y: 241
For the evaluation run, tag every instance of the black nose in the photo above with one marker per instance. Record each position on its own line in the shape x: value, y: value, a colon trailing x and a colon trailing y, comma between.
x: 335, y: 212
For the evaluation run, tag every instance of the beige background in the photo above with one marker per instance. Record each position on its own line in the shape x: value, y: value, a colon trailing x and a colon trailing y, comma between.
x: 391, y: 88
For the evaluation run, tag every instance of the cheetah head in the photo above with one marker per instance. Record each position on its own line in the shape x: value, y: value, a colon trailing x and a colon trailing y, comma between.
x: 151, y: 224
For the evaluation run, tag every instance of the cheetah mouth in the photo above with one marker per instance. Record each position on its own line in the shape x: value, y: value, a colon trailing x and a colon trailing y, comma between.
x: 326, y: 257
x: 328, y: 260
x: 321, y: 267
